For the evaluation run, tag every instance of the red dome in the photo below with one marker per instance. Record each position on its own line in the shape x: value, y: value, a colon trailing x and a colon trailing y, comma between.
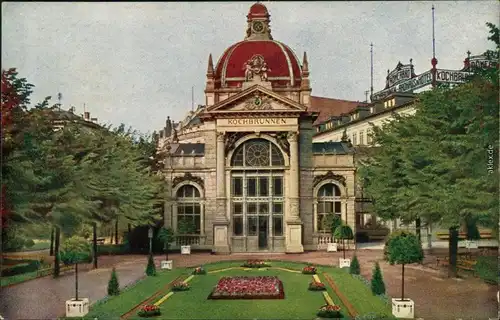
x: 258, y: 10
x: 284, y: 67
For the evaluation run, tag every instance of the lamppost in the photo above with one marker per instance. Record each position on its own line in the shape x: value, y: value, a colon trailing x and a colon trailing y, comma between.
x: 150, y: 236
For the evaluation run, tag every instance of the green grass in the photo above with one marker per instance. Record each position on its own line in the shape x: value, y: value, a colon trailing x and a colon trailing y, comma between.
x: 5, y: 281
x: 118, y: 305
x: 299, y: 303
x: 358, y: 294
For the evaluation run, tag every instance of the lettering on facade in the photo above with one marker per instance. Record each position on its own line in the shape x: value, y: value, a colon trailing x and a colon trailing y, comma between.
x: 407, y: 86
x: 450, y: 76
x: 256, y: 121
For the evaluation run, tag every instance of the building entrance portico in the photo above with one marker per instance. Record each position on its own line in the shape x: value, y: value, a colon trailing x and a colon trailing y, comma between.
x: 257, y: 196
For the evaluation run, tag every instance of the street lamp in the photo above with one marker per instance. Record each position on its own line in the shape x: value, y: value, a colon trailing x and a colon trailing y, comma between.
x: 150, y: 236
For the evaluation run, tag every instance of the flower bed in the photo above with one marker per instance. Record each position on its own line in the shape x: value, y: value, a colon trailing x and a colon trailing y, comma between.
x: 255, y: 264
x: 265, y: 287
x: 328, y: 311
x: 316, y: 286
x: 180, y: 286
x: 199, y: 271
x: 149, y: 310
x: 309, y: 270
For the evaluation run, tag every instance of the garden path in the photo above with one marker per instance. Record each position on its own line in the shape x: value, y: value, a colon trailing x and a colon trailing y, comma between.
x: 435, y: 297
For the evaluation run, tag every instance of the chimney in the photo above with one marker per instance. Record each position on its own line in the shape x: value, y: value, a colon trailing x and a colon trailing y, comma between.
x: 168, y: 127
x: 86, y: 116
x: 161, y: 134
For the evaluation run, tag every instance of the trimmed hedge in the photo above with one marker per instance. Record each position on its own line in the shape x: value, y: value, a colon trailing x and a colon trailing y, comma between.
x: 487, y: 269
x: 24, y: 267
x: 113, y: 249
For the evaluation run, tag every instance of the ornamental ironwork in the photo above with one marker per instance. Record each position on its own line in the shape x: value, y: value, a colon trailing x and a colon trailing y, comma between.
x: 188, y: 177
x: 329, y: 176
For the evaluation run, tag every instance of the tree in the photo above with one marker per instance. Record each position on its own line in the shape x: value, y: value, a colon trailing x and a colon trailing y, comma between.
x: 402, y: 249
x: 113, y: 285
x: 417, y: 173
x: 76, y: 250
x: 343, y: 232
x: 377, y: 282
x: 151, y: 268
x: 354, y: 268
x: 166, y: 235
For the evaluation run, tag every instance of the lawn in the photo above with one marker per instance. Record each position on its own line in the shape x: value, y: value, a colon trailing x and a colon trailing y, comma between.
x: 299, y: 302
x: 116, y: 306
x: 358, y: 294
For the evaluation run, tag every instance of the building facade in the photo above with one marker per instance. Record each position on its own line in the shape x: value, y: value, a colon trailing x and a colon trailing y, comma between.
x: 242, y: 171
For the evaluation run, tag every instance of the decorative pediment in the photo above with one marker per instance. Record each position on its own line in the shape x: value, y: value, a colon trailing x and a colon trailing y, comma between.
x: 329, y: 176
x: 188, y: 177
x: 256, y: 98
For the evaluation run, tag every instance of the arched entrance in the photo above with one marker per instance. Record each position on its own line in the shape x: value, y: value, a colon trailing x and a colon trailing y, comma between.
x: 257, y: 195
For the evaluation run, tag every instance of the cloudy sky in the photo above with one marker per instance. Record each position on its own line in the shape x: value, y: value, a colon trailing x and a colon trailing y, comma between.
x: 135, y: 63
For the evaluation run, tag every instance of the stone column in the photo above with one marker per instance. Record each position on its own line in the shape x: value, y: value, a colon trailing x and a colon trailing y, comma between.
x: 221, y: 241
x: 293, y: 222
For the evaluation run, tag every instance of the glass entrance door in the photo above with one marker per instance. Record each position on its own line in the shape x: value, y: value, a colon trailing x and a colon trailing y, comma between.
x: 263, y: 232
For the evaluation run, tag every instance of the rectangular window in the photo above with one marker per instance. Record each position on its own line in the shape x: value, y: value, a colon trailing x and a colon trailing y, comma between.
x: 263, y: 208
x: 252, y: 226
x: 321, y: 217
x: 251, y: 187
x: 251, y: 208
x: 237, y: 208
x: 278, y: 226
x: 368, y: 137
x: 338, y: 207
x: 355, y: 139
x: 277, y: 208
x: 362, y: 138
x: 278, y: 186
x: 263, y: 187
x: 237, y: 186
x: 238, y: 225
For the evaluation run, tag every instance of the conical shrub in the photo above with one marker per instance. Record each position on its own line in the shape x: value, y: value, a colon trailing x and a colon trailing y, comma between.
x: 377, y: 283
x: 113, y: 285
x: 151, y: 269
x: 354, y: 268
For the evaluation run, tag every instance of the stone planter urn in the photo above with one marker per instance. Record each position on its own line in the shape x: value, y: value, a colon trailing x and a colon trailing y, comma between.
x: 403, y: 309
x: 332, y: 247
x: 344, y: 263
x: 77, y: 308
x: 167, y: 264
x: 185, y: 249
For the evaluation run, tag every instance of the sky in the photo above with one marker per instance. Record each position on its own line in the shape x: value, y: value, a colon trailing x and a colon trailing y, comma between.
x: 136, y: 62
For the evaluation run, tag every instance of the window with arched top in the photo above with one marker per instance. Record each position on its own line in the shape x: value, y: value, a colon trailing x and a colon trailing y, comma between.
x: 188, y: 210
x: 257, y: 153
x: 329, y: 201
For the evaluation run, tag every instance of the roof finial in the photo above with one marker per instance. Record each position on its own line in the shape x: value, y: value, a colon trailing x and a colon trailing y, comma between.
x: 210, y: 68
x: 305, y: 66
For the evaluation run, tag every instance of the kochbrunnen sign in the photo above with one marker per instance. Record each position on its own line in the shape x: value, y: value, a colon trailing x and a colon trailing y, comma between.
x: 403, y: 78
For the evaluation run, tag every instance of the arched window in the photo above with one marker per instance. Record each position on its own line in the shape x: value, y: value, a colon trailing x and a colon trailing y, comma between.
x: 188, y: 210
x: 328, y: 202
x: 257, y: 153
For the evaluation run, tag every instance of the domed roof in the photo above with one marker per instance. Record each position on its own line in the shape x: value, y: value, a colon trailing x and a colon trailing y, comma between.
x: 283, y: 66
x: 257, y: 10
